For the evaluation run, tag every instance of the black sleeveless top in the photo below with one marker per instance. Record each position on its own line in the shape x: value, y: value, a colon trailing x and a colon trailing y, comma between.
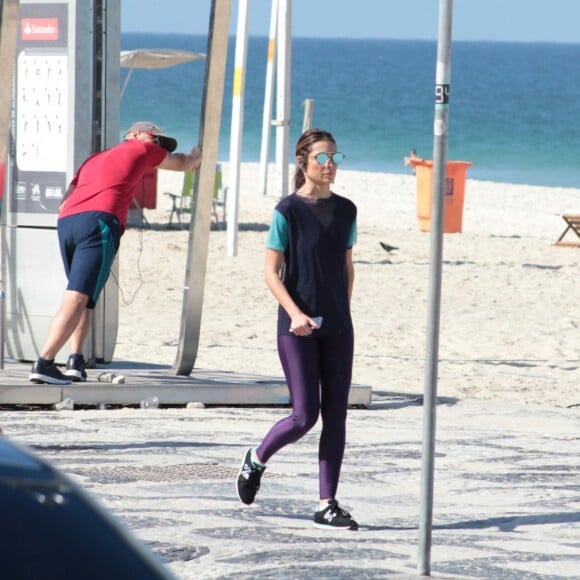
x: 319, y: 232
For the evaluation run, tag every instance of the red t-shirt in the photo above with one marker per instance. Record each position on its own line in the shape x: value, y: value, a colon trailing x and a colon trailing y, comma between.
x: 107, y: 180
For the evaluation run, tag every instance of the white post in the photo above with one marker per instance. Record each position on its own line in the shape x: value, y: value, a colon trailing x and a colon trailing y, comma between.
x: 237, y: 127
x: 268, y: 99
x: 283, y: 94
x: 308, y: 114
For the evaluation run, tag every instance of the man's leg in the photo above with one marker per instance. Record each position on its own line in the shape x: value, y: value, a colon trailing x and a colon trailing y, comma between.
x: 71, y: 321
x: 77, y: 339
x: 89, y: 242
x: 76, y: 364
x: 63, y: 325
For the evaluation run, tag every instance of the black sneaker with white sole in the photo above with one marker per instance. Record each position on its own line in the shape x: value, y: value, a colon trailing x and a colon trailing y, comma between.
x: 333, y: 517
x: 45, y: 371
x: 248, y: 482
x: 75, y: 368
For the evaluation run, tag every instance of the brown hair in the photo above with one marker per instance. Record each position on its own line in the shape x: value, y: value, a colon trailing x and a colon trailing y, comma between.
x: 303, y: 148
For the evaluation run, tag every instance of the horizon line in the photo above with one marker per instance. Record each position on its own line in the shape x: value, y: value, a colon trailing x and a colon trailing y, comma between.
x: 375, y: 38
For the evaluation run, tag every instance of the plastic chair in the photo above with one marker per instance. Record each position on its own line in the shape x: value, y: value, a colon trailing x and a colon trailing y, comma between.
x: 220, y: 194
x: 184, y: 203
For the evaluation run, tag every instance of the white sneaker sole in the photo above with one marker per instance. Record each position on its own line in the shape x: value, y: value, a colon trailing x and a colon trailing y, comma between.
x: 75, y: 376
x: 334, y: 528
x: 39, y: 378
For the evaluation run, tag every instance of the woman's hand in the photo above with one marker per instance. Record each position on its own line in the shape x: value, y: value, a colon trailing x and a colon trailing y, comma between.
x: 302, y: 325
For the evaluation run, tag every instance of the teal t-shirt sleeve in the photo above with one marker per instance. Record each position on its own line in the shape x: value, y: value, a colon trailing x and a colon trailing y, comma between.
x: 353, y: 235
x: 278, y: 234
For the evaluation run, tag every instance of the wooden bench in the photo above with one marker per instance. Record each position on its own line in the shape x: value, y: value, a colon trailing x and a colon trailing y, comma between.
x: 573, y: 224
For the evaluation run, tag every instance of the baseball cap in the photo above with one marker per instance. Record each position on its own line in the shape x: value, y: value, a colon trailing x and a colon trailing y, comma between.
x: 168, y: 143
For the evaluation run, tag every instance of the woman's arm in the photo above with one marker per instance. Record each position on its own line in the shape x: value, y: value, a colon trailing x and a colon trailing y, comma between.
x: 349, y: 273
x: 300, y: 323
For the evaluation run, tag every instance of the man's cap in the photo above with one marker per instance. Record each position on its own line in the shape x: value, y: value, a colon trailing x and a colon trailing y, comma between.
x: 168, y: 143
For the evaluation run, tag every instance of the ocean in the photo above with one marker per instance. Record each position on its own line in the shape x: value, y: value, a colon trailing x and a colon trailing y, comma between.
x: 514, y: 107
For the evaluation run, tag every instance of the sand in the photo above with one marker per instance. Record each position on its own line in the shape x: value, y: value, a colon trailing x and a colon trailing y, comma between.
x: 509, y: 308
x: 504, y: 493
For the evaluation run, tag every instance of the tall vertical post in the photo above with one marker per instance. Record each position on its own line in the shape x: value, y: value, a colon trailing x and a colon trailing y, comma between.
x: 106, y: 110
x: 8, y: 34
x: 268, y: 100
x: 237, y: 127
x: 308, y: 114
x: 211, y: 113
x: 440, y: 128
x: 9, y: 10
x: 282, y: 122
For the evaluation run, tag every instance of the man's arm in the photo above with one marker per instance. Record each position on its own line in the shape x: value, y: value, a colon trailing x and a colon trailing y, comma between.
x: 182, y: 161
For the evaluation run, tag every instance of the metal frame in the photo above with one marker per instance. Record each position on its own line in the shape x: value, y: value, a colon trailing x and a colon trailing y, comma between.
x: 203, y: 187
x: 9, y: 12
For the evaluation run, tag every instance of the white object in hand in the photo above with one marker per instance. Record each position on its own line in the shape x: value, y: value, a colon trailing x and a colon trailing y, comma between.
x: 317, y: 321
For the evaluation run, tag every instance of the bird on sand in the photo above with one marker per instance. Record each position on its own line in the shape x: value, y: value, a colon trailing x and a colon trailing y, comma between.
x: 388, y: 248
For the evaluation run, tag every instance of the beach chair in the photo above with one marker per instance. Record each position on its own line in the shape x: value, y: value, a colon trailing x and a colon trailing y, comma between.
x: 572, y: 224
x: 220, y: 194
x: 183, y: 203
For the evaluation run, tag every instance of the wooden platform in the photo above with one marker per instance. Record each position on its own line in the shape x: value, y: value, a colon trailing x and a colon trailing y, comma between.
x: 145, y: 380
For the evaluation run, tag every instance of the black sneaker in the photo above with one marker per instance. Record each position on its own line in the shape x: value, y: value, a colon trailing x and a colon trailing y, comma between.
x: 248, y: 482
x: 333, y: 517
x: 75, y: 368
x: 44, y: 371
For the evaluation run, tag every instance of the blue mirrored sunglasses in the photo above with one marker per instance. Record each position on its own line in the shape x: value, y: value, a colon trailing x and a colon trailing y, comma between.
x: 322, y: 158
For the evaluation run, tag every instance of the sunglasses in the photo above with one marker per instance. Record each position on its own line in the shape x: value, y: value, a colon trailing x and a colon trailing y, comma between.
x: 155, y: 138
x: 323, y: 158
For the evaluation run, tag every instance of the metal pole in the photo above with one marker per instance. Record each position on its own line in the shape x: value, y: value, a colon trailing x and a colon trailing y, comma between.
x: 237, y: 127
x: 283, y: 95
x: 9, y: 12
x: 268, y: 99
x: 211, y: 113
x: 440, y: 126
x: 308, y: 114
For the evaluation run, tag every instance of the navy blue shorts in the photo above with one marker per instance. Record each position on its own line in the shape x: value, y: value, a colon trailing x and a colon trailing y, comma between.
x: 89, y: 242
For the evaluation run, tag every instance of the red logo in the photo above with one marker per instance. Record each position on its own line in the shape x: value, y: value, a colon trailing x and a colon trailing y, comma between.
x: 39, y: 28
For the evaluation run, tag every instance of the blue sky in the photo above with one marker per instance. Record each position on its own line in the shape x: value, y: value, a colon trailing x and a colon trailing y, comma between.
x: 493, y: 20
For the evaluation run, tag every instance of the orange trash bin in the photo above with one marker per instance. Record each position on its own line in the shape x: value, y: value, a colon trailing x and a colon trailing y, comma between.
x: 455, y: 178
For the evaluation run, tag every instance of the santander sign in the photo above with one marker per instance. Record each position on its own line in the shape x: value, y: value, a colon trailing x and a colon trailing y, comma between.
x: 39, y: 29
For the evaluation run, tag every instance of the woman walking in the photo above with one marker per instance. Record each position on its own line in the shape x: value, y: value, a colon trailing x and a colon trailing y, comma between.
x: 309, y: 269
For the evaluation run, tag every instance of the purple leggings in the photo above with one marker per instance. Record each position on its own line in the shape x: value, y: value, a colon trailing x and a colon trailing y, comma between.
x: 318, y: 372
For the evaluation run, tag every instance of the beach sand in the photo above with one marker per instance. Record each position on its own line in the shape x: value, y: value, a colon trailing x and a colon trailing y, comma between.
x: 504, y: 494
x: 509, y: 308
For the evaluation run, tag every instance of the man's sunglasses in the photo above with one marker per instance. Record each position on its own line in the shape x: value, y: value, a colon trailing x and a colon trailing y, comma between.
x: 323, y: 158
x: 155, y: 138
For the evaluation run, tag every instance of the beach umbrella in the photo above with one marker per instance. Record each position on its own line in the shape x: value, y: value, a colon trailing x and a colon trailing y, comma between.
x: 154, y: 58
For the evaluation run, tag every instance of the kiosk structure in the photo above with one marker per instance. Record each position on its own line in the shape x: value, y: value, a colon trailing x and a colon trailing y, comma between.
x: 65, y: 107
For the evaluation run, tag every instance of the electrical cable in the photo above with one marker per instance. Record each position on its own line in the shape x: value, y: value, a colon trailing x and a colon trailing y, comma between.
x: 140, y: 274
